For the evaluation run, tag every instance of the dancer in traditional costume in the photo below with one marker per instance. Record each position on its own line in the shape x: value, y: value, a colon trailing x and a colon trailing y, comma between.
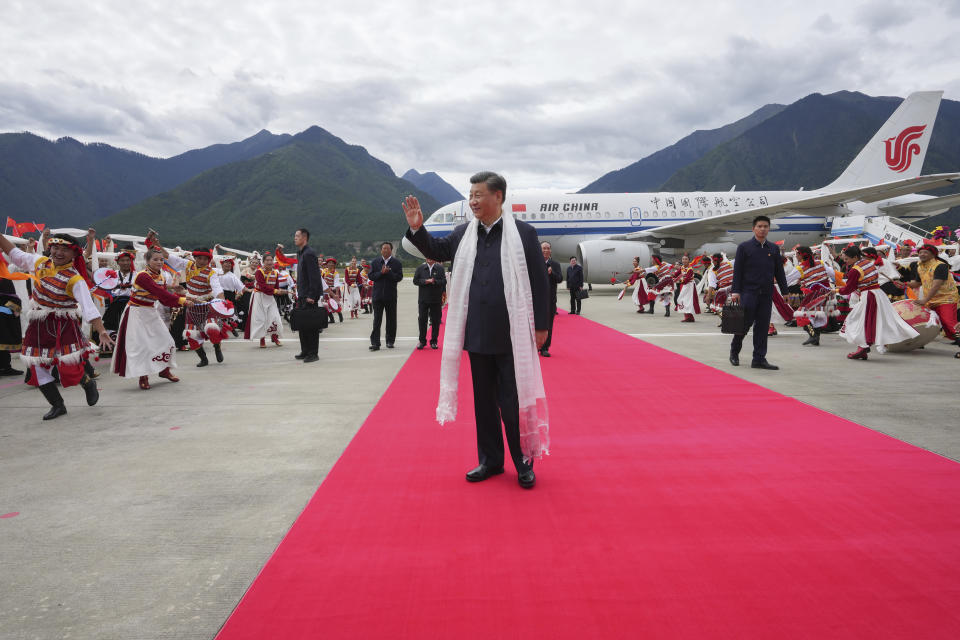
x: 873, y: 321
x: 264, y: 317
x: 351, y: 278
x: 719, y: 278
x: 54, y: 339
x: 203, y: 285
x: 888, y: 276
x: 144, y: 344
x: 938, y: 289
x: 120, y: 295
x: 11, y: 335
x: 663, y: 289
x: 640, y: 296
x: 688, y: 300
x: 331, y: 289
x: 233, y: 290
x: 366, y: 287
x: 818, y: 304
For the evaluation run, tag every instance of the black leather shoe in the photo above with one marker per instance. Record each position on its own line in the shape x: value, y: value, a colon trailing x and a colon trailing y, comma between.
x: 482, y: 472
x: 10, y: 371
x: 763, y: 364
x: 218, y: 353
x: 311, y: 358
x: 421, y: 345
x: 389, y: 345
x: 545, y: 353
x: 433, y: 345
x: 374, y: 347
x: 300, y: 356
x: 735, y: 359
x: 527, y: 479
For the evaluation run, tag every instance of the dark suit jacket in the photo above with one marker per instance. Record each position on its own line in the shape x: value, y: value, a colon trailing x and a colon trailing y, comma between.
x: 575, y: 277
x: 554, y: 278
x: 309, y: 283
x: 488, y: 325
x: 430, y: 293
x: 754, y: 270
x: 385, y: 285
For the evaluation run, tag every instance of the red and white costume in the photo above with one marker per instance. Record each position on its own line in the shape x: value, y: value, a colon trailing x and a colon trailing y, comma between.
x: 819, y: 302
x: 720, y: 278
x: 663, y: 289
x: 263, y: 319
x: 144, y: 344
x: 351, y: 278
x: 688, y: 301
x: 874, y: 321
x: 54, y: 336
x: 202, y: 285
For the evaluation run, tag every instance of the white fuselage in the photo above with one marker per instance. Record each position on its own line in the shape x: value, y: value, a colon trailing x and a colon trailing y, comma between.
x: 567, y: 219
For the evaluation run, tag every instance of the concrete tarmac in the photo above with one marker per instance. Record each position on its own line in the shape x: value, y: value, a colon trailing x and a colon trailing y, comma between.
x: 149, y: 515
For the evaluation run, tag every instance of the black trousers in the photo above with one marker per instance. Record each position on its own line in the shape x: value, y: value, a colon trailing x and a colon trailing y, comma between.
x: 553, y: 314
x: 381, y: 308
x: 431, y: 311
x: 494, y: 403
x: 177, y: 328
x: 309, y: 338
x: 574, y: 301
x: 756, y: 314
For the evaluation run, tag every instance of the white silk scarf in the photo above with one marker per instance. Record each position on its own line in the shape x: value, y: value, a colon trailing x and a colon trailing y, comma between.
x: 534, y: 421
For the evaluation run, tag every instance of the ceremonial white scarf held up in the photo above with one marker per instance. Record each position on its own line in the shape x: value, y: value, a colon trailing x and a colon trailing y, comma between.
x: 534, y: 422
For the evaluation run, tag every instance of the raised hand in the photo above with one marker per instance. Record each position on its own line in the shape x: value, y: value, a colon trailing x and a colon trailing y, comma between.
x: 411, y: 209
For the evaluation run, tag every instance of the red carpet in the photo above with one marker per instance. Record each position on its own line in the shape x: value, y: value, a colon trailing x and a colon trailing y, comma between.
x: 679, y: 502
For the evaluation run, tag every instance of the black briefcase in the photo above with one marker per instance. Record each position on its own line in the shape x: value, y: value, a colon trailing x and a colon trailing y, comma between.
x: 583, y: 294
x: 308, y: 319
x: 731, y: 319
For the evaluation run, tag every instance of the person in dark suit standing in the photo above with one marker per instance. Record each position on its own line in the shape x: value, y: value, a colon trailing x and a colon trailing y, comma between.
x: 309, y: 291
x: 757, y: 265
x: 386, y: 271
x: 574, y: 284
x: 554, y: 277
x: 485, y: 301
x: 432, y: 280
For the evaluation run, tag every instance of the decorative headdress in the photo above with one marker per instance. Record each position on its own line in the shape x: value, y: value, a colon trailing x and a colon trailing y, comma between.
x: 202, y: 252
x: 79, y: 264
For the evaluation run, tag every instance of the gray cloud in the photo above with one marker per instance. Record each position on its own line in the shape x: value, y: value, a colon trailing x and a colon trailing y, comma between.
x: 553, y: 94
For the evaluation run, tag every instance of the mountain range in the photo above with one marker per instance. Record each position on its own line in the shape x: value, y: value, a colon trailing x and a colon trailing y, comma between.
x: 804, y: 145
x: 255, y: 192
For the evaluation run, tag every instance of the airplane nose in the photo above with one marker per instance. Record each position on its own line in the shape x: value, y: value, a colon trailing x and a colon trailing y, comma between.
x: 409, y: 248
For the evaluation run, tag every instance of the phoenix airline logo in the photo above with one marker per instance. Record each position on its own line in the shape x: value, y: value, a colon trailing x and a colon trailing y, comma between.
x: 901, y: 149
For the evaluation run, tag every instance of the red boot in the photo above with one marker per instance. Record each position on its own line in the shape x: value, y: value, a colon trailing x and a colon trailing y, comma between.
x: 263, y: 343
x: 688, y: 317
x: 144, y: 382
x: 772, y: 331
x: 859, y: 354
x: 166, y: 373
x: 275, y: 339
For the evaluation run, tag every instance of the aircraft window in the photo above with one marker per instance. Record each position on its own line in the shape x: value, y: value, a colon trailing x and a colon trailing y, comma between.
x: 728, y: 210
x: 580, y: 215
x: 543, y: 216
x: 606, y: 214
x: 553, y: 216
x: 673, y: 214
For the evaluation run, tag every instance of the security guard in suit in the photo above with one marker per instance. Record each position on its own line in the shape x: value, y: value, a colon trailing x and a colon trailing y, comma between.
x: 431, y: 279
x: 554, y: 277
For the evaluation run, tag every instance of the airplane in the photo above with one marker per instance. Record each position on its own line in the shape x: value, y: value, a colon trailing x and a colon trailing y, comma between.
x: 606, y: 231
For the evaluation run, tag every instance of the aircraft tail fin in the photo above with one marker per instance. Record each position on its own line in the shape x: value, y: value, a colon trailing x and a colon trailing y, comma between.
x: 897, y: 150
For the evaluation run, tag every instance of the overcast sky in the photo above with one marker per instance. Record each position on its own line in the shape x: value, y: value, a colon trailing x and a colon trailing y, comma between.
x: 551, y: 94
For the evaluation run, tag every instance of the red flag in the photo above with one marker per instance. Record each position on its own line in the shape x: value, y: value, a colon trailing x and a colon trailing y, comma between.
x: 518, y: 208
x: 284, y: 261
x: 780, y: 242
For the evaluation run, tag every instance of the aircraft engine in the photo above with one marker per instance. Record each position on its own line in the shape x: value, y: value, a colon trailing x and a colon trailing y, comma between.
x: 605, y: 259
